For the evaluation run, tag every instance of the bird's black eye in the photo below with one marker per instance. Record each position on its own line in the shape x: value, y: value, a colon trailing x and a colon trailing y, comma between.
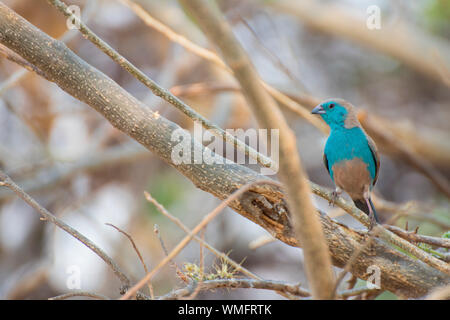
x: 331, y: 106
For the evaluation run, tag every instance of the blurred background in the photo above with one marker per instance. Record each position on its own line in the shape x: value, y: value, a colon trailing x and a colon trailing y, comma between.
x: 75, y: 164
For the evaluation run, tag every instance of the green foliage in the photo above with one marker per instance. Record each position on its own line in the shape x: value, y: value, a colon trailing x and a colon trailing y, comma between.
x: 438, y: 16
x: 167, y: 188
x: 386, y: 295
x: 427, y: 248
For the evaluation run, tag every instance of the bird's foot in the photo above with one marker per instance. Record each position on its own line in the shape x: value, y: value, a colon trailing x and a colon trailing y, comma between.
x: 334, y: 196
x: 373, y: 220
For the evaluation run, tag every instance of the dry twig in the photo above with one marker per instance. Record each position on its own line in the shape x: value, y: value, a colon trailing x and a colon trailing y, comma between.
x: 224, y: 257
x: 160, y: 91
x: 47, y: 216
x: 92, y: 295
x: 413, y: 237
x: 175, y: 251
x: 150, y: 287
x: 236, y: 283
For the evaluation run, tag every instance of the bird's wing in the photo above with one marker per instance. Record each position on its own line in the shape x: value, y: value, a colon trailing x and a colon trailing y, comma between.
x: 376, y: 158
x: 325, y: 162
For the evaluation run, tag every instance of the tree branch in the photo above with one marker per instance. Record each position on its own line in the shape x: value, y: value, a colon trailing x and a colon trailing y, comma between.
x: 7, y: 182
x: 162, y: 92
x: 434, y: 149
x: 414, y: 237
x: 236, y: 283
x: 401, y: 274
x: 238, y: 267
x: 280, y: 286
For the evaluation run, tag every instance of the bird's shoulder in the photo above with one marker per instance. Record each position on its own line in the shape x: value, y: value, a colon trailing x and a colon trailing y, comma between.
x: 376, y: 158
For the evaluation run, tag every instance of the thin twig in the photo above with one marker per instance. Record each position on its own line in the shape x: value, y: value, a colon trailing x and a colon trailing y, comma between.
x: 80, y: 294
x: 173, y: 36
x: 202, y: 268
x: 160, y: 91
x: 395, y: 40
x: 292, y: 289
x: 356, y: 292
x: 217, y: 253
x: 66, y: 37
x: 207, y: 219
x: 271, y: 55
x: 150, y: 287
x: 202, y: 256
x: 166, y: 252
x: 47, y: 216
x: 383, y: 233
x: 412, y: 236
x: 411, y: 210
x: 14, y: 57
x: 261, y: 241
x: 212, y: 57
x: 405, y: 153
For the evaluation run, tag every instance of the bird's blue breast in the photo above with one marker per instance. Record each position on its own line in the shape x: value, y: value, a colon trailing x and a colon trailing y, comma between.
x: 347, y: 144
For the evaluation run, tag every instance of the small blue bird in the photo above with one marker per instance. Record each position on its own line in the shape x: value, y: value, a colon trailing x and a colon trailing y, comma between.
x: 350, y: 155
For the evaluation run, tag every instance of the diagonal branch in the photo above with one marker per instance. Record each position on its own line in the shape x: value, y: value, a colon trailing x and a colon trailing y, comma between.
x: 212, y: 57
x: 7, y: 182
x: 264, y: 205
x: 415, y: 237
x: 160, y: 91
x: 202, y: 242
x: 183, y: 243
x: 292, y: 175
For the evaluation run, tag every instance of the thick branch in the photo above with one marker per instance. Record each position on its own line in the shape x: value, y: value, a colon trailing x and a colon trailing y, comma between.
x: 400, y: 273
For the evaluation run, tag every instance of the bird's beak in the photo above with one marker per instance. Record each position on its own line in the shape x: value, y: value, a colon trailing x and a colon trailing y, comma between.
x: 318, y: 110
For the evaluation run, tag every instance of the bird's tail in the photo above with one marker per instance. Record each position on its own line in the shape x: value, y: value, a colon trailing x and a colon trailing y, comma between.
x: 361, y: 204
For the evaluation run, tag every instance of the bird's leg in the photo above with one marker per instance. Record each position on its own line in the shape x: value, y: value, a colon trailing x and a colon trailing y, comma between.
x: 371, y: 214
x: 334, y: 195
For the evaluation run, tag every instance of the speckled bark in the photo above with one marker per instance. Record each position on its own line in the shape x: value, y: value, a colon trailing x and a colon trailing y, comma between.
x: 264, y: 205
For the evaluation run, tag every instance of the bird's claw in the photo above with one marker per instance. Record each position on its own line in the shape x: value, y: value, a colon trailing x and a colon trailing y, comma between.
x: 334, y: 196
x: 373, y: 221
